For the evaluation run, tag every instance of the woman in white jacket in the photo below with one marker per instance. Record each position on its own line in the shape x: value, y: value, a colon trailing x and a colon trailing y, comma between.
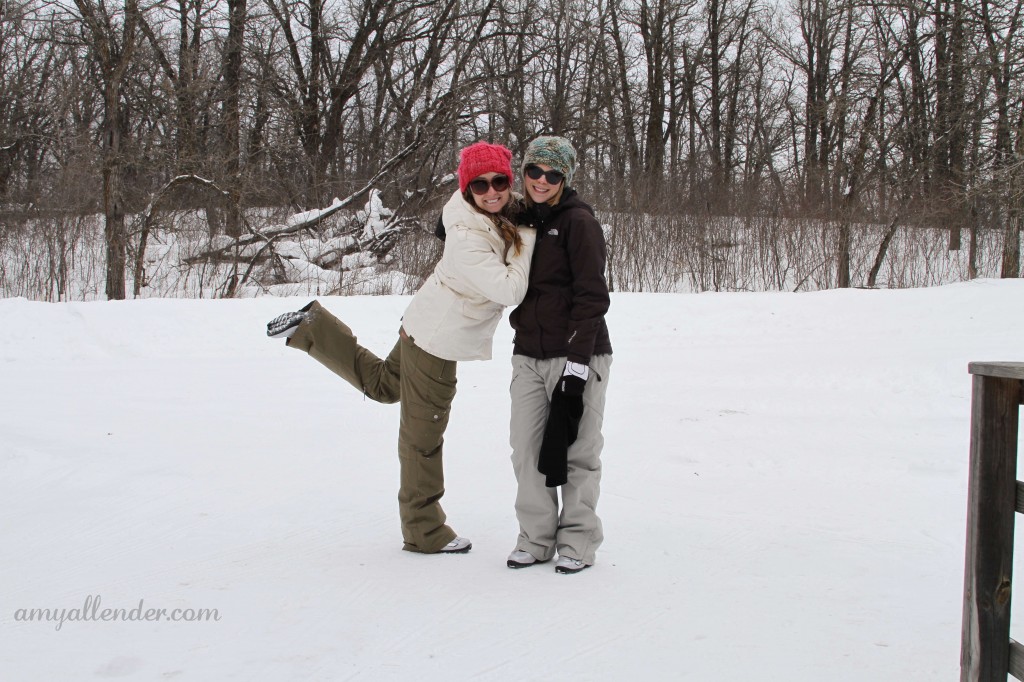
x: 485, y: 267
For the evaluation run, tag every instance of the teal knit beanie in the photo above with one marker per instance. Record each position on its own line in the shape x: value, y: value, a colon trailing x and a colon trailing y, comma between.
x: 556, y: 152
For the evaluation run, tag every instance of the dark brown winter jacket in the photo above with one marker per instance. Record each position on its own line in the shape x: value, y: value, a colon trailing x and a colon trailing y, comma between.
x: 567, y: 297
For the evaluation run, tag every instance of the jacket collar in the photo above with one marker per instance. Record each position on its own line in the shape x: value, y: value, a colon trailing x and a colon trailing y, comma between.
x: 539, y: 215
x: 458, y: 212
x: 570, y: 199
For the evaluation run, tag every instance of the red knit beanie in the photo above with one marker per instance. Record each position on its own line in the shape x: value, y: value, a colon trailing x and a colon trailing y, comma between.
x: 483, y: 157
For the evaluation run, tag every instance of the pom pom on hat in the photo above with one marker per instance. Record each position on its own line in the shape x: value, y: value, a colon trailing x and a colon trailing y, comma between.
x: 556, y: 152
x: 483, y: 157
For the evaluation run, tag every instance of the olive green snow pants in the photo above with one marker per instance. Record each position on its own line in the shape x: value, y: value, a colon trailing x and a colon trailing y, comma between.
x: 425, y: 387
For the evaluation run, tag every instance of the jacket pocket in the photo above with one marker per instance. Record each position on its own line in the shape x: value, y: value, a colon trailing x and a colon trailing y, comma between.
x: 478, y: 311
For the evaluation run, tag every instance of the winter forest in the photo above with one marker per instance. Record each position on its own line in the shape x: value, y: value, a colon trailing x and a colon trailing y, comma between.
x: 217, y: 148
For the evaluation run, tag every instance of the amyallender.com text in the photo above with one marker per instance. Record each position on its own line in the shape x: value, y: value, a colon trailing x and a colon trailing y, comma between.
x: 93, y: 611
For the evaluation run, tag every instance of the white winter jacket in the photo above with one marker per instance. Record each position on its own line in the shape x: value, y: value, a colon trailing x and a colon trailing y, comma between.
x: 454, y: 314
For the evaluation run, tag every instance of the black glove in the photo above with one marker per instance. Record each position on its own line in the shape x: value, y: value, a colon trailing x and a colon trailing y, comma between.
x: 574, y: 378
x: 561, y: 430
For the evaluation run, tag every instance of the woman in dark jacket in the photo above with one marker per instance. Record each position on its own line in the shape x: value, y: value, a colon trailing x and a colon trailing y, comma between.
x: 560, y: 369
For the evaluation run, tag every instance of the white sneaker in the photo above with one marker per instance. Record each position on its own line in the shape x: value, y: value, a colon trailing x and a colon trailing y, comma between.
x: 569, y: 565
x: 457, y: 546
x: 285, y: 326
x: 521, y: 559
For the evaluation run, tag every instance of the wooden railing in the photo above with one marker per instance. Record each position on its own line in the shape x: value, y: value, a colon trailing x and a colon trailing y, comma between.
x: 994, y: 496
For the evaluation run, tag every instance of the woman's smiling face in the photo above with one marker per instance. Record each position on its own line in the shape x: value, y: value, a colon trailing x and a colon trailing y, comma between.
x: 493, y: 200
x: 540, y: 190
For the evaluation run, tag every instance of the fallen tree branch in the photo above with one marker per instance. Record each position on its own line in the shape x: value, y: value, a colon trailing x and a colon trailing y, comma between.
x: 309, y: 219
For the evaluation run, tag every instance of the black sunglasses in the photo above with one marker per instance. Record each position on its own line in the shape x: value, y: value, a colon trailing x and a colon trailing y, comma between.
x: 498, y: 182
x: 552, y: 176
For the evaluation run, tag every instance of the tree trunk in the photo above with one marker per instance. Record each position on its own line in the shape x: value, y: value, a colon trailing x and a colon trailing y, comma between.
x: 653, y: 29
x: 232, y: 118
x: 972, y: 249
x: 1011, y: 247
x: 113, y: 202
x: 716, y: 96
x: 113, y: 53
x: 843, y: 267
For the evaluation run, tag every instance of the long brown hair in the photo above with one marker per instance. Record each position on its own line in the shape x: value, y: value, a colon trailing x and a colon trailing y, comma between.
x: 504, y: 221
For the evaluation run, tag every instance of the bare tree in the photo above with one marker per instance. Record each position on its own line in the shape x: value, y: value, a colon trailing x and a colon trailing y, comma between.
x: 820, y: 30
x: 328, y: 52
x: 32, y: 63
x: 950, y: 127
x: 180, y: 59
x: 112, y: 38
x: 1001, y: 23
x: 231, y: 119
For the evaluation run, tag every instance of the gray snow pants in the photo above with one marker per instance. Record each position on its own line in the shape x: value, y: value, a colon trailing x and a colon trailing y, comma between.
x: 576, y: 531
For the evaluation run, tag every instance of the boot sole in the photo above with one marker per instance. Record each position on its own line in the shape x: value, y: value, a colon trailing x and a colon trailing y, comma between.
x: 516, y: 564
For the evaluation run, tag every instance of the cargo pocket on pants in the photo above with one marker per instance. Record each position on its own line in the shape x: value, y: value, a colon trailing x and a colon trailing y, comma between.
x: 423, y: 427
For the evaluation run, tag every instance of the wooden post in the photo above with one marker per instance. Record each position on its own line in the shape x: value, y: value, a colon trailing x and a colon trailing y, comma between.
x: 991, y: 505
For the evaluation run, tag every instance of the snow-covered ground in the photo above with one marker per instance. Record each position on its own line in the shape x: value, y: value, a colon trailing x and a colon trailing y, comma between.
x: 784, y: 497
